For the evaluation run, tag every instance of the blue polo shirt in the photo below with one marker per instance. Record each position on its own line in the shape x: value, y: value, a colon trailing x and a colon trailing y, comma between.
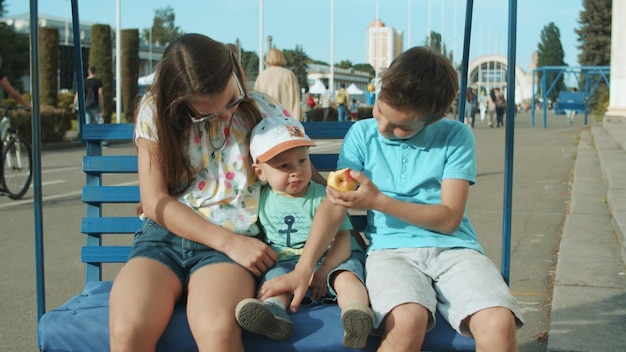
x: 412, y: 170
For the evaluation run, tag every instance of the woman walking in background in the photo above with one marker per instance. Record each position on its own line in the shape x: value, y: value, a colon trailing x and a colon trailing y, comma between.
x: 280, y: 83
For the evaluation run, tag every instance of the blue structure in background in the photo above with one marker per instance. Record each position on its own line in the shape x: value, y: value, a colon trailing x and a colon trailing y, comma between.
x: 587, y: 77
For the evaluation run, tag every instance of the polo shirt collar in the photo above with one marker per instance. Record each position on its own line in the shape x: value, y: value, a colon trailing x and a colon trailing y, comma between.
x: 421, y: 140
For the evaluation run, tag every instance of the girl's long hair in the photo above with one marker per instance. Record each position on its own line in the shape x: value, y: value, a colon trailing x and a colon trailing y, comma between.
x: 193, y: 65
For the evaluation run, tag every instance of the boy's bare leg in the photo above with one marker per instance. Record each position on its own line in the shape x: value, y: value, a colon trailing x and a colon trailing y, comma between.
x: 494, y: 330
x: 405, y: 328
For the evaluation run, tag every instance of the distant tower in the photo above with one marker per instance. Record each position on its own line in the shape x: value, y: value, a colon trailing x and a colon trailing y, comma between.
x: 383, y: 45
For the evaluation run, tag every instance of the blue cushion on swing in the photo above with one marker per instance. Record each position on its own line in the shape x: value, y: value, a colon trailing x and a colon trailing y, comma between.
x: 82, y: 324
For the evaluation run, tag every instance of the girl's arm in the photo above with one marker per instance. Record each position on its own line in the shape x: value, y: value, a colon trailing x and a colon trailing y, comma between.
x: 181, y: 220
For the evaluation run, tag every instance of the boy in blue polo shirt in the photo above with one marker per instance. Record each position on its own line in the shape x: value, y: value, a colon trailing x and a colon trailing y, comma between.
x: 415, y: 168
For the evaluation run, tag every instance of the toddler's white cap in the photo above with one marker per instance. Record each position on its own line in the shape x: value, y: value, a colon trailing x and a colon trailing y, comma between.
x: 274, y: 135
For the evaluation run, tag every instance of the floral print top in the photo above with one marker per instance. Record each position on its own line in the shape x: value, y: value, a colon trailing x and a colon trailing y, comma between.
x: 225, y: 190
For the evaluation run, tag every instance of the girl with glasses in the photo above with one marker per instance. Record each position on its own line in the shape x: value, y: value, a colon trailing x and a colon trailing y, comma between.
x: 198, y: 242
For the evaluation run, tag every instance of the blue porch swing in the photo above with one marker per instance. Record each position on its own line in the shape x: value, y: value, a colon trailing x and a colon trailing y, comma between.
x: 81, y: 324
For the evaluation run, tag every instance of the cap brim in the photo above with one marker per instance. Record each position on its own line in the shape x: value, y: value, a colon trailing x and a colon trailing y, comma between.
x: 272, y: 152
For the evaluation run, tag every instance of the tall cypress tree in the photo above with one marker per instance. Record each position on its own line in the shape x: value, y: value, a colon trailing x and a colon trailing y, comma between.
x: 550, y: 53
x: 594, y: 33
x: 49, y: 65
x: 130, y: 71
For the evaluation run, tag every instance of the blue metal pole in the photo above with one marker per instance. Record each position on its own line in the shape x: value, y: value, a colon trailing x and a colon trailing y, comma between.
x: 532, y: 102
x: 78, y: 67
x: 36, y: 140
x: 509, y: 143
x: 465, y: 64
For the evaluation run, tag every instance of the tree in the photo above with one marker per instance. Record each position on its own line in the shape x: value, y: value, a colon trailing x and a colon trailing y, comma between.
x: 345, y: 64
x: 594, y: 33
x: 436, y: 43
x: 366, y: 68
x: 100, y: 56
x: 163, y: 29
x: 130, y: 71
x: 550, y: 53
x: 49, y: 65
x: 250, y: 64
x: 297, y: 62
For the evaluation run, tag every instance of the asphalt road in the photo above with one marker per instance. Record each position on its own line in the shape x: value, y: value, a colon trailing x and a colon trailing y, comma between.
x: 543, y: 162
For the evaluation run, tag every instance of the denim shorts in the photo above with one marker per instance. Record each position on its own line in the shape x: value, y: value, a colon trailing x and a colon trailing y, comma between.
x: 180, y: 255
x: 355, y: 264
x: 457, y: 281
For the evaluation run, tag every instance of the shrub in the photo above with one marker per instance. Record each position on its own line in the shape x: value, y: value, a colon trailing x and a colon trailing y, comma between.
x: 66, y: 101
x: 55, y: 123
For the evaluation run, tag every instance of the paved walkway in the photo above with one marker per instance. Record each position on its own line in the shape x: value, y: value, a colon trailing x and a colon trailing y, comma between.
x: 589, y: 297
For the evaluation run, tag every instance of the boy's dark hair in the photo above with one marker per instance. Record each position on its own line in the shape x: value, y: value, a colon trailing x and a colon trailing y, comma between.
x: 420, y: 81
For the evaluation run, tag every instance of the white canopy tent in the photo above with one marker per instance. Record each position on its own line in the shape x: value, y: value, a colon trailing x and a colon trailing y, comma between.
x: 353, y: 90
x: 317, y: 88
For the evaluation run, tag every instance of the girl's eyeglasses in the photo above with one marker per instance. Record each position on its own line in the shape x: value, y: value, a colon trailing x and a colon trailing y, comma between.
x: 230, y: 105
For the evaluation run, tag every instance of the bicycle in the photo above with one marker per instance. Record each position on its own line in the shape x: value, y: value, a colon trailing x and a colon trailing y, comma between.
x: 17, y: 158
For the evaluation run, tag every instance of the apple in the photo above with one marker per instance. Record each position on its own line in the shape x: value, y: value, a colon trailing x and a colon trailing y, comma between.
x: 341, y: 180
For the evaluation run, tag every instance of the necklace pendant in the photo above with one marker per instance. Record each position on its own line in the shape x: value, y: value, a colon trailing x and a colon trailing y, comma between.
x: 213, y: 155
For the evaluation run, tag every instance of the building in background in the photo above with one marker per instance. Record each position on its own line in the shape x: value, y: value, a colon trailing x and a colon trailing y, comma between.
x: 383, y: 45
x: 490, y: 71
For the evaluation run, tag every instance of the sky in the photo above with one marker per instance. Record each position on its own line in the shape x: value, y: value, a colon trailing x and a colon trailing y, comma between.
x: 308, y: 23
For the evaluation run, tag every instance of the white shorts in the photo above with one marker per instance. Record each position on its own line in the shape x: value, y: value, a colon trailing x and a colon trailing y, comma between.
x: 457, y: 281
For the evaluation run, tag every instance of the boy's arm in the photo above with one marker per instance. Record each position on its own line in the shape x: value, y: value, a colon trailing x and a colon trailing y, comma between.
x: 444, y: 217
x: 328, y: 218
x: 338, y: 253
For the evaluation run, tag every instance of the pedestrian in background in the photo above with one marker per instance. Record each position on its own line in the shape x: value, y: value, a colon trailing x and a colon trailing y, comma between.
x: 342, y: 98
x: 94, y: 101
x: 571, y: 113
x: 280, y: 83
x: 354, y: 110
x: 470, y: 107
x: 500, y: 108
x: 491, y: 106
x: 8, y: 88
x: 482, y: 104
x: 325, y: 101
x: 308, y: 103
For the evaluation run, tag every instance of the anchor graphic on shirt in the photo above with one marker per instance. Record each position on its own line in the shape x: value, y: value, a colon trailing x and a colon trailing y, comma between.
x: 289, y: 220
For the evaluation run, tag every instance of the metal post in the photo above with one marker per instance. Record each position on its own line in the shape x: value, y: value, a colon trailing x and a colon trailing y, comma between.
x: 36, y: 140
x: 509, y: 143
